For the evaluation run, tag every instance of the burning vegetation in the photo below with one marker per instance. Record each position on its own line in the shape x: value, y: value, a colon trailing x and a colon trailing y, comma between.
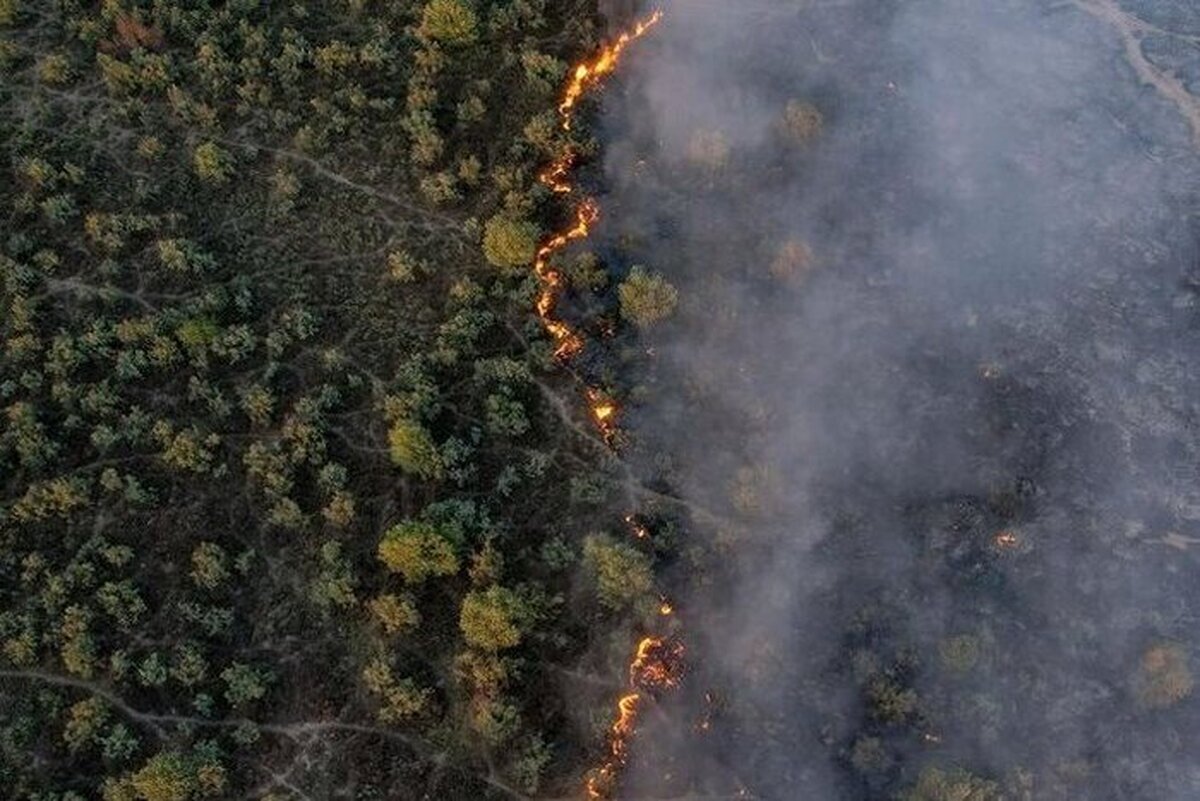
x: 657, y: 664
x: 556, y: 177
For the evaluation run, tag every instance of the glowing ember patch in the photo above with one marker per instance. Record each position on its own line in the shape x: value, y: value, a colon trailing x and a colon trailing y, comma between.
x: 639, y: 530
x: 604, y: 413
x: 1006, y: 540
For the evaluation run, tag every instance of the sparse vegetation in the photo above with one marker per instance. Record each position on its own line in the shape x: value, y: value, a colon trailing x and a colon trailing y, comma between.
x: 284, y: 504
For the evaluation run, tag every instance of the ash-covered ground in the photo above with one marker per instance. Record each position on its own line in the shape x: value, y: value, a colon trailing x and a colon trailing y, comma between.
x: 932, y: 394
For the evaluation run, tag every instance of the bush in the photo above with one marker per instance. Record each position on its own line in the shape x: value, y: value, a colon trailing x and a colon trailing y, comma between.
x: 449, y: 21
x: 417, y: 551
x: 492, y: 620
x: 1163, y: 678
x: 623, y: 574
x: 508, y: 242
x: 801, y: 122
x: 951, y: 785
x: 646, y: 298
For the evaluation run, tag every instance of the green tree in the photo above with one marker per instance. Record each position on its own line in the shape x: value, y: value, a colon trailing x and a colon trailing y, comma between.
x: 623, y: 574
x: 449, y: 21
x: 244, y: 683
x: 492, y: 619
x: 935, y: 784
x: 417, y: 551
x: 508, y: 242
x: 413, y: 450
x: 647, y: 298
x: 167, y: 776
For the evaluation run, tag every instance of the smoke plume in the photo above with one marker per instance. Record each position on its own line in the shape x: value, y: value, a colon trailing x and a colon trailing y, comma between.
x: 930, y: 395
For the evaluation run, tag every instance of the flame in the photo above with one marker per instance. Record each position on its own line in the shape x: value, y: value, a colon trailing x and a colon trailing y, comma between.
x: 639, y: 530
x: 604, y: 413
x: 657, y: 664
x: 587, y: 76
x: 569, y: 343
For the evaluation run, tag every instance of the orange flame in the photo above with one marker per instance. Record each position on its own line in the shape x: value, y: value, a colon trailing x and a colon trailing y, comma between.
x: 588, y: 75
x: 604, y: 413
x: 639, y: 529
x: 657, y: 664
x: 568, y: 342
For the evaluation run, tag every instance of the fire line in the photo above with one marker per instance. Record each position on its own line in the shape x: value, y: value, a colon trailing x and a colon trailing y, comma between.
x: 657, y: 664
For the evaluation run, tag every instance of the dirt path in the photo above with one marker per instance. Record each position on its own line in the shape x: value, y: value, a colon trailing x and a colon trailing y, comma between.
x: 1131, y: 30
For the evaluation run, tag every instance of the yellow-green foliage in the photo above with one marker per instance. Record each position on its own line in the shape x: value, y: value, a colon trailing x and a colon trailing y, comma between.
x: 394, y: 614
x: 959, y: 654
x: 647, y: 298
x: 212, y: 163
x: 84, y: 721
x: 398, y: 698
x: 165, y: 777
x: 490, y: 620
x: 413, y: 450
x: 417, y: 551
x: 449, y: 21
x: 54, y: 68
x: 508, y: 242
x: 209, y: 565
x: 935, y: 784
x: 623, y: 574
x: 709, y: 150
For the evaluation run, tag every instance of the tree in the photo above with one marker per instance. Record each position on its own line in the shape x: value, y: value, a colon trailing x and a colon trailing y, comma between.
x: 801, y: 122
x: 1163, y: 678
x: 417, y: 551
x: 212, y: 163
x: 709, y: 150
x: 394, y: 613
x: 509, y: 242
x: 84, y: 722
x: 793, y: 261
x: 492, y: 619
x: 167, y: 776
x: 935, y: 784
x: 622, y: 573
x: 413, y: 450
x: 646, y: 298
x: 399, y: 698
x: 209, y: 565
x: 449, y: 21
x: 244, y: 683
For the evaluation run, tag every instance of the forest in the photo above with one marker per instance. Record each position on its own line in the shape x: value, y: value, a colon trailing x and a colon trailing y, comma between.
x: 563, y: 399
x: 296, y: 500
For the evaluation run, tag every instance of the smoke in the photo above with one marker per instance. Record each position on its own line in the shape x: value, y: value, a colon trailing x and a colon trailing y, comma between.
x: 931, y: 394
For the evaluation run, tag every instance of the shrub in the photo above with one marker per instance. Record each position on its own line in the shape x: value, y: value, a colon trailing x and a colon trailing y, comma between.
x: 449, y: 21
x: 647, y: 298
x: 417, y: 551
x: 508, y: 242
